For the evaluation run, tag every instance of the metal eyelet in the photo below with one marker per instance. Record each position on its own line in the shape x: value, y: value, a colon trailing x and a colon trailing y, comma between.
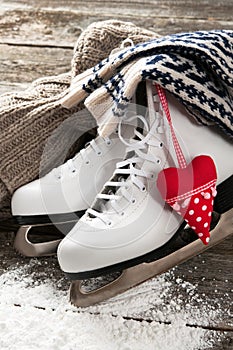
x: 143, y: 189
x: 158, y: 161
x: 109, y: 143
x: 161, y: 145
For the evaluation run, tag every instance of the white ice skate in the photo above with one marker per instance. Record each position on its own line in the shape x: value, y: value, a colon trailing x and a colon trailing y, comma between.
x: 61, y: 197
x: 130, y: 227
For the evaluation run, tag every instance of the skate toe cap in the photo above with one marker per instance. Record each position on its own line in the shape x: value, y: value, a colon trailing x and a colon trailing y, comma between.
x: 27, y: 200
x: 73, y: 257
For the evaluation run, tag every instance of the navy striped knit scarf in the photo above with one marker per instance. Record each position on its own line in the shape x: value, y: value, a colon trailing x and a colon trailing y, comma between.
x: 197, y: 68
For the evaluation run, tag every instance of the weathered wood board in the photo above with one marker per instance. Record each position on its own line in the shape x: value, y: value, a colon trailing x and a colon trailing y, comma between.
x: 36, y: 39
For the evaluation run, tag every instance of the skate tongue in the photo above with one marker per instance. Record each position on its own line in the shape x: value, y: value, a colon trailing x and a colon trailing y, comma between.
x: 152, y: 103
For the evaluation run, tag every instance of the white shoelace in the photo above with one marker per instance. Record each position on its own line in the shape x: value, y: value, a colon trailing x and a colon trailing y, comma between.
x: 129, y: 171
x: 70, y: 163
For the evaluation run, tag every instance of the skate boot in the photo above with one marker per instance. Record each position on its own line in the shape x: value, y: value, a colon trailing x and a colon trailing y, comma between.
x: 61, y: 197
x: 130, y: 227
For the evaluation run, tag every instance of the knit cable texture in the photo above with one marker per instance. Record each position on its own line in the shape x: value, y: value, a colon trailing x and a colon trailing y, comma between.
x: 28, y: 118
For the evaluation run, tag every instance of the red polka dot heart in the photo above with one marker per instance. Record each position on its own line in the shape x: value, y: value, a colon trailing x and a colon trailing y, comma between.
x: 190, y: 189
x: 190, y: 192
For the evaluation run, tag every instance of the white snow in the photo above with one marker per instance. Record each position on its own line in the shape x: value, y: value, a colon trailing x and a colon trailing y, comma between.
x: 37, y: 315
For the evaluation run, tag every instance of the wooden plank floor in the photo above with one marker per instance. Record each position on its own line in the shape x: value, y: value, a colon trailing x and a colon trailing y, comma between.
x: 36, y: 39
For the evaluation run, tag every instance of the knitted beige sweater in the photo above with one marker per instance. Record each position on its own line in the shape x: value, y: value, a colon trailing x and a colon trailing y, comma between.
x: 28, y: 118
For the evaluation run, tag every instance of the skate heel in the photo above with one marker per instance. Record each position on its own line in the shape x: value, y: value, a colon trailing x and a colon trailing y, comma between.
x: 224, y: 199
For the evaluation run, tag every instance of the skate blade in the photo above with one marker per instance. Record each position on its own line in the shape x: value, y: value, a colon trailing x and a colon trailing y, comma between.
x: 133, y: 276
x: 24, y: 247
